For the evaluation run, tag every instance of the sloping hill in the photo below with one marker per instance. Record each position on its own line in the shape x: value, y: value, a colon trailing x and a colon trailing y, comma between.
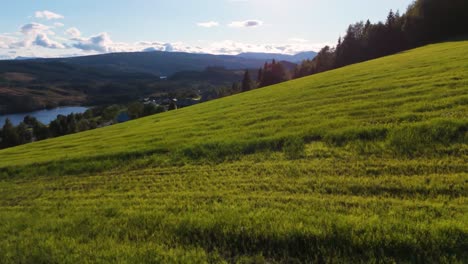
x: 367, y: 162
x: 162, y: 63
x: 380, y: 94
x: 297, y: 58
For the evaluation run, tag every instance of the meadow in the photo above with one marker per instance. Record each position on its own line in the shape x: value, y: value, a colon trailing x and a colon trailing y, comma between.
x: 366, y: 163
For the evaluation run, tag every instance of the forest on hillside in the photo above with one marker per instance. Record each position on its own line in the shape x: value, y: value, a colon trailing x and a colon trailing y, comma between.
x: 424, y: 22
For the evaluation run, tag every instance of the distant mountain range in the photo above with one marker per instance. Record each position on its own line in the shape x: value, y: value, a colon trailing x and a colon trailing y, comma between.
x: 279, y: 57
x: 160, y: 62
x: 20, y: 58
x: 32, y: 84
x: 168, y: 63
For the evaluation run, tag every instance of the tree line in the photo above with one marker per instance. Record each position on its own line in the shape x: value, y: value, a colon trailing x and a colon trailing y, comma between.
x: 31, y: 129
x: 271, y: 73
x: 425, y: 21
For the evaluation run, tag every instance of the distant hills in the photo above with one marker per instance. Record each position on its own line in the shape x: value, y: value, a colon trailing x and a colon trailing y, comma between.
x: 162, y: 63
x: 20, y: 58
x: 279, y: 57
x: 28, y: 84
x: 168, y: 63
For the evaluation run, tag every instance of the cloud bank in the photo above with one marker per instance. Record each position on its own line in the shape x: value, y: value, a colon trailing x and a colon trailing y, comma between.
x: 50, y: 40
x: 43, y: 40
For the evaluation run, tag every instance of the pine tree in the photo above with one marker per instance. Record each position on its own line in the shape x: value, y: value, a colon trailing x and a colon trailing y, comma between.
x: 24, y: 133
x: 10, y: 137
x: 40, y: 131
x: 260, y: 75
x: 172, y: 105
x: 246, y: 82
x: 390, y: 19
x: 235, y: 88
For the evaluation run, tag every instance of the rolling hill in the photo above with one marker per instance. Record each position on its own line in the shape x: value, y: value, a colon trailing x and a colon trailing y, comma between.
x: 161, y: 62
x: 297, y: 58
x: 29, y: 85
x: 359, y: 164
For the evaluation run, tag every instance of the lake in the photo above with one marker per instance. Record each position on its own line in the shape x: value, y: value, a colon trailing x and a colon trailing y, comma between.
x: 44, y: 116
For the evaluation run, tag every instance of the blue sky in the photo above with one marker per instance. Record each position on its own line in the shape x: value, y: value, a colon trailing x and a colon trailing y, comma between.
x: 49, y: 28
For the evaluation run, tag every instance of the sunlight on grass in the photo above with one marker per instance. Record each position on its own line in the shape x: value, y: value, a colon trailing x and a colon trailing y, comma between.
x: 364, y: 163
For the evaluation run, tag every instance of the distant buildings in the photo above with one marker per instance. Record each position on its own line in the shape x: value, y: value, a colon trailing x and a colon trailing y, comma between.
x: 168, y: 103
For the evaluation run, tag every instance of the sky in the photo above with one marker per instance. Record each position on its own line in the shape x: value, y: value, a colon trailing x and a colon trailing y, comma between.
x: 62, y: 28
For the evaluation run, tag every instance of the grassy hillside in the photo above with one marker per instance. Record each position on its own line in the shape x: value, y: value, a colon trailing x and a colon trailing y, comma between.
x: 367, y: 162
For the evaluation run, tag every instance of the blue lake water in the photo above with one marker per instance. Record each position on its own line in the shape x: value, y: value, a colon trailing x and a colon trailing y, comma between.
x: 44, y: 116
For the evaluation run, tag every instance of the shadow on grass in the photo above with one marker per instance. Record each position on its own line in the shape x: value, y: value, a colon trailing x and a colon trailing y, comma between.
x: 411, y: 140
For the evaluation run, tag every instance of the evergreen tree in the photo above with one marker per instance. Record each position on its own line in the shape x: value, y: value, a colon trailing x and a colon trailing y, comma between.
x: 24, y: 134
x: 40, y: 131
x: 172, y: 105
x: 260, y: 76
x: 235, y: 88
x: 390, y: 19
x: 246, y: 82
x: 274, y: 73
x: 58, y: 127
x: 71, y: 124
x: 10, y: 136
x: 424, y: 22
x: 83, y: 125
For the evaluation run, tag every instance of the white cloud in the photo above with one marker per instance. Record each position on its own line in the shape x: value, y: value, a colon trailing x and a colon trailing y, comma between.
x: 298, y: 40
x: 6, y: 42
x: 31, y: 32
x: 100, y: 43
x: 230, y: 47
x: 168, y: 47
x: 36, y: 34
x: 208, y: 24
x: 160, y: 46
x: 246, y: 23
x: 39, y: 40
x: 73, y: 32
x: 33, y: 28
x: 48, y: 15
x: 43, y: 40
x: 58, y: 24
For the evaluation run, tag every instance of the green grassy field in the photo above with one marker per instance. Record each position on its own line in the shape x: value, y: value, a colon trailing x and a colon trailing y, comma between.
x: 367, y: 163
